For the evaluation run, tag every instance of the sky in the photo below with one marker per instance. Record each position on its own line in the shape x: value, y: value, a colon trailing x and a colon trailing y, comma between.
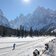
x: 13, y: 8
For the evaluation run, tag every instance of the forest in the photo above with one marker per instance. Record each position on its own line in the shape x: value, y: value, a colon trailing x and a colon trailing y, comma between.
x: 5, y: 31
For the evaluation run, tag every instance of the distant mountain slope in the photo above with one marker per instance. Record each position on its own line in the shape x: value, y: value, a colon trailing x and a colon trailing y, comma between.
x: 40, y: 18
x: 18, y: 21
x: 48, y: 29
x: 3, y: 20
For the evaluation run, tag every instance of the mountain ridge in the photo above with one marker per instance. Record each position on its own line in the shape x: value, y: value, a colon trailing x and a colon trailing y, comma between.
x: 39, y: 19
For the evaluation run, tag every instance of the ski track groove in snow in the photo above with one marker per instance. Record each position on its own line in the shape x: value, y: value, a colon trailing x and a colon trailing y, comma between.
x: 21, y: 45
x: 25, y: 47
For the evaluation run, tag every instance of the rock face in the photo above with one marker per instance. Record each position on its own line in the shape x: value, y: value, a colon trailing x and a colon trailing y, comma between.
x: 40, y: 18
x: 1, y: 13
x: 3, y: 20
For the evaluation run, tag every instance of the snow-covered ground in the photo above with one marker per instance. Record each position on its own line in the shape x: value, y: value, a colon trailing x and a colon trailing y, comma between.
x: 24, y: 46
x: 52, y: 48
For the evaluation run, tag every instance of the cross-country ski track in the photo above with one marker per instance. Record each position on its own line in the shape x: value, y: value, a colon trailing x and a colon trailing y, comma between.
x: 24, y: 48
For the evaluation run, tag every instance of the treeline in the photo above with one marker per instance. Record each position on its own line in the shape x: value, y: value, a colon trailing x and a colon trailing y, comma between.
x: 5, y: 31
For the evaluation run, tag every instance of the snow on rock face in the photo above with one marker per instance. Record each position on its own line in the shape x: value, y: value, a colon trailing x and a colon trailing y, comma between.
x: 18, y: 21
x: 53, y: 31
x: 3, y: 20
x: 1, y: 13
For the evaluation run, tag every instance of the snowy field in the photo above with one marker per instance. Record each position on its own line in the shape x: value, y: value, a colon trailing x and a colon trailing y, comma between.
x: 24, y: 46
x: 52, y: 48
